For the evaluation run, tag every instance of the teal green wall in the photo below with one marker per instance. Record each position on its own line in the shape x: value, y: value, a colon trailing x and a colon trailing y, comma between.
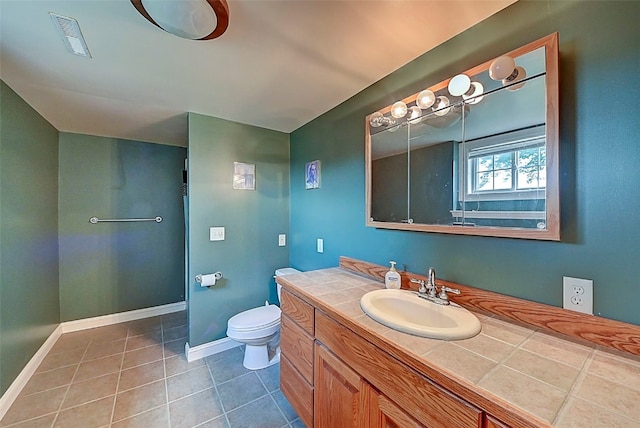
x: 28, y: 227
x: 107, y: 268
x: 252, y: 219
x: 600, y: 155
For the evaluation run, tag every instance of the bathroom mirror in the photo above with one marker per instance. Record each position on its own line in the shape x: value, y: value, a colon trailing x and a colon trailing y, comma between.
x: 476, y: 154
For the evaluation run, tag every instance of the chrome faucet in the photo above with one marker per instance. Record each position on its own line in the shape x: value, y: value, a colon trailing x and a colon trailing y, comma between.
x: 431, y: 282
x: 429, y: 290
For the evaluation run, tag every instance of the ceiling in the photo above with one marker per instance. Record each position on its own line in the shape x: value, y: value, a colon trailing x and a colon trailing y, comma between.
x: 279, y: 65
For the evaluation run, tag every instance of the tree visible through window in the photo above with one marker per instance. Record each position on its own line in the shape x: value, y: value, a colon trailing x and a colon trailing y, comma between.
x: 507, y: 169
x: 506, y: 166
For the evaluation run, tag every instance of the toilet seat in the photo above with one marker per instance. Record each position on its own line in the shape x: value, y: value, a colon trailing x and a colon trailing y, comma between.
x: 254, y: 323
x: 258, y: 329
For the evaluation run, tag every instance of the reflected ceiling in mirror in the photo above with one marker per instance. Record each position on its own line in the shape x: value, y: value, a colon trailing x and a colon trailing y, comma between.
x: 476, y: 154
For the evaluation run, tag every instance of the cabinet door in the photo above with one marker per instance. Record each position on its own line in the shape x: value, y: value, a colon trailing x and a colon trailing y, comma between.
x: 385, y: 414
x: 340, y: 394
x: 491, y: 422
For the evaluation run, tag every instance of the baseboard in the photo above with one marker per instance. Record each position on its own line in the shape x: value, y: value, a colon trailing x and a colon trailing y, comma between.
x: 209, y: 348
x: 21, y: 380
x: 16, y: 386
x: 101, y: 321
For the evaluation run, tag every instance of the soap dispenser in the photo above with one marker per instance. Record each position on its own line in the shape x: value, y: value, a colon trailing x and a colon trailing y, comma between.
x: 392, y: 278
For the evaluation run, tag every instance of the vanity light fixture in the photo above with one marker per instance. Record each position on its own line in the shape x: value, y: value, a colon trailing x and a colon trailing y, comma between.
x: 377, y: 120
x: 414, y: 115
x: 441, y: 107
x: 461, y: 85
x: 189, y: 19
x: 399, y: 110
x: 518, y: 74
x: 474, y: 94
x: 504, y: 69
x: 425, y: 99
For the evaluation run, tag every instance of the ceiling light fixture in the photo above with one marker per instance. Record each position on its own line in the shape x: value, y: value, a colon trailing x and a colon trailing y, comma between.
x: 189, y: 19
x: 69, y: 30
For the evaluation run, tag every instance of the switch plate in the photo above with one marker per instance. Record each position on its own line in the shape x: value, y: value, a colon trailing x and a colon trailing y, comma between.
x: 216, y: 234
x: 577, y: 294
x: 282, y: 240
x: 320, y: 245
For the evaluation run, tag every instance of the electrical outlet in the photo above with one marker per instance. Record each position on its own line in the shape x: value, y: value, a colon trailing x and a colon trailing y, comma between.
x: 282, y: 240
x: 577, y: 294
x: 320, y: 245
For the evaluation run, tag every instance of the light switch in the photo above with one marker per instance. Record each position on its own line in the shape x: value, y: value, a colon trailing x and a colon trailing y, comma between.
x: 216, y: 234
x: 320, y: 245
x: 282, y: 240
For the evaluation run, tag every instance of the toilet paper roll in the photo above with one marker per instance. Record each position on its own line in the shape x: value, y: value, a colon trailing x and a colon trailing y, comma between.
x: 209, y: 280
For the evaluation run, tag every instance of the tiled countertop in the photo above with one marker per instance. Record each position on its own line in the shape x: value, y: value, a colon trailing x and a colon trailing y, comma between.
x: 562, y: 382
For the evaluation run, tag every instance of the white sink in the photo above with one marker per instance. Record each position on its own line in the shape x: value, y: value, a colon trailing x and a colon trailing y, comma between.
x: 404, y: 311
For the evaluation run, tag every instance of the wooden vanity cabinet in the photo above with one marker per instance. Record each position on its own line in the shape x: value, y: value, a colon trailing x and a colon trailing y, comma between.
x: 345, y: 399
x: 297, y: 353
x: 335, y: 378
x: 491, y: 422
x: 417, y: 396
x: 383, y: 413
x: 340, y: 395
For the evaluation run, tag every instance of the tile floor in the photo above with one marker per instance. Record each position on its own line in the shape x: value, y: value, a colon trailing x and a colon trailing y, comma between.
x: 135, y: 375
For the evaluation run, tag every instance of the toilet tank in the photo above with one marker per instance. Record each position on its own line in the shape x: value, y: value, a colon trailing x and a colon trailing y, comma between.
x: 282, y: 272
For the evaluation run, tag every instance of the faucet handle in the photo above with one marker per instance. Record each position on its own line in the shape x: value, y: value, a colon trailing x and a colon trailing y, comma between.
x: 443, y: 292
x: 422, y: 288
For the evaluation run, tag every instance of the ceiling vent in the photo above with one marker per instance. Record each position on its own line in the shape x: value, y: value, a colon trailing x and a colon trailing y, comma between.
x: 69, y: 30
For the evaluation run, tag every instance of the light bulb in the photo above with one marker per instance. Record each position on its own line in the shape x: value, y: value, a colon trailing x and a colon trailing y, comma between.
x: 518, y: 74
x: 459, y: 84
x: 376, y: 119
x: 415, y: 114
x: 474, y: 94
x: 399, y: 109
x: 501, y: 67
x: 441, y: 107
x: 425, y: 99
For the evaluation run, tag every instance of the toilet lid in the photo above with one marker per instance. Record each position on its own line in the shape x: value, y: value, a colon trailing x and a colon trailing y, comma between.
x: 256, y: 318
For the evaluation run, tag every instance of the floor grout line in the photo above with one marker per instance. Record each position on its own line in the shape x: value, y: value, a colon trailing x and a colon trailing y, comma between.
x: 98, y: 343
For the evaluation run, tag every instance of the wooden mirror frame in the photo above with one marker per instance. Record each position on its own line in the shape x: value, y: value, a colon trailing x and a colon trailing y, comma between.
x: 552, y: 231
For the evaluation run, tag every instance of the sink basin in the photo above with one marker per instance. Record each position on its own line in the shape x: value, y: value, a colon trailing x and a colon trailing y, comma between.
x: 404, y: 311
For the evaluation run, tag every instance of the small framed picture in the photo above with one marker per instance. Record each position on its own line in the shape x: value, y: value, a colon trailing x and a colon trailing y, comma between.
x: 312, y: 175
x: 244, y: 176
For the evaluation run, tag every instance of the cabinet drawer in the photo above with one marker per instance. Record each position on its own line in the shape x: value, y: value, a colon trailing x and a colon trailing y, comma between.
x: 297, y: 390
x: 421, y: 398
x: 298, y: 310
x: 297, y: 346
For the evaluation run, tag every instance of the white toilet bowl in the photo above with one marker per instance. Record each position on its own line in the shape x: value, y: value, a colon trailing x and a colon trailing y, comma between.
x: 259, y: 330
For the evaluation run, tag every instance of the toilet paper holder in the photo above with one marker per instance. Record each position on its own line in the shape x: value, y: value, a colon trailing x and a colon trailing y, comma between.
x: 208, y: 280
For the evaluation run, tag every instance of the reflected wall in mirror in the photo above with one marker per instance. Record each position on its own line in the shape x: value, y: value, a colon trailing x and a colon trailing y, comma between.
x: 476, y: 154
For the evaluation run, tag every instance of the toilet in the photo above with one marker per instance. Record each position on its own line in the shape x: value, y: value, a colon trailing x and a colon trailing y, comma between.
x: 259, y: 330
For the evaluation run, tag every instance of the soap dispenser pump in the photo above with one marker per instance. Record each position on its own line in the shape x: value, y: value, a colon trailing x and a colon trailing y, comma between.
x: 392, y: 277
